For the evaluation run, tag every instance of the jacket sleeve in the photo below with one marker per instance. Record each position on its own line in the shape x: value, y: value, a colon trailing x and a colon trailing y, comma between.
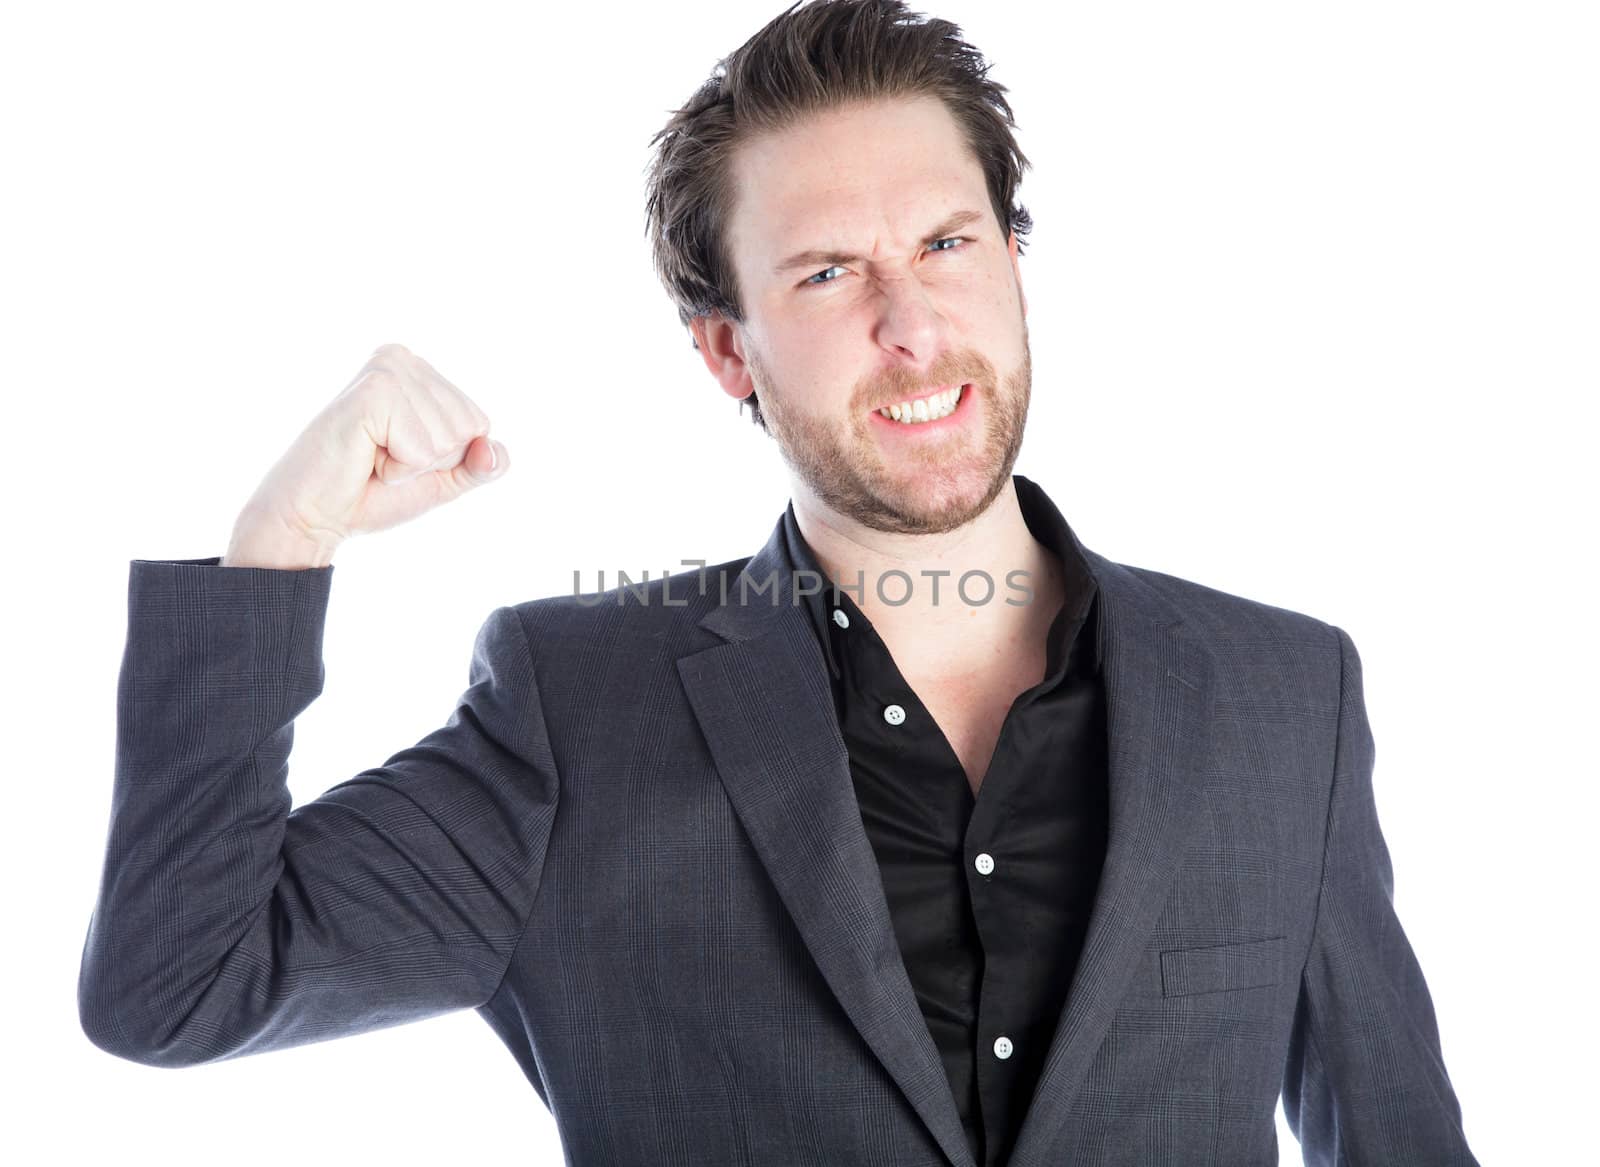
x: 227, y: 924
x: 1365, y: 1080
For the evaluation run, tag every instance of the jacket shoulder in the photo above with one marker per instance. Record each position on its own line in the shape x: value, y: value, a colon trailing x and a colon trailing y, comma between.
x: 1222, y: 615
x: 1266, y: 656
x: 655, y: 612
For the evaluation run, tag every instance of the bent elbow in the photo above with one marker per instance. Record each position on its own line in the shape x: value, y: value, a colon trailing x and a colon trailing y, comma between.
x: 121, y: 1031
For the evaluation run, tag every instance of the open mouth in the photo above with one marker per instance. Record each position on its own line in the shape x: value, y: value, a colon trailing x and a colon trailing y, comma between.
x: 933, y: 412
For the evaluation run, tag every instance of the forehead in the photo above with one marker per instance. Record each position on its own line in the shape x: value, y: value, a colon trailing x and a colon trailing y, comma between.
x: 859, y: 176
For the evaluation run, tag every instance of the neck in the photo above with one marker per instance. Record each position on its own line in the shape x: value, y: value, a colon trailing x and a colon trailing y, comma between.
x: 936, y: 631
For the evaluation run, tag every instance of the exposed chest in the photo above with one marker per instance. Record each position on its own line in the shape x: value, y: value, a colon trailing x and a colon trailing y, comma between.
x: 971, y: 712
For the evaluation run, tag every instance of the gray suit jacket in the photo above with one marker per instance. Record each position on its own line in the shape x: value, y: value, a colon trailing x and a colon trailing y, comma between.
x: 634, y: 848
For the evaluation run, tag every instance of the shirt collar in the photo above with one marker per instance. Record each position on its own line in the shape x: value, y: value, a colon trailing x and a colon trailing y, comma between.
x: 1045, y: 523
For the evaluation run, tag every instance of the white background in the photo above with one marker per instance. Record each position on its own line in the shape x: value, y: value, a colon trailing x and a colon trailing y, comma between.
x: 1313, y: 303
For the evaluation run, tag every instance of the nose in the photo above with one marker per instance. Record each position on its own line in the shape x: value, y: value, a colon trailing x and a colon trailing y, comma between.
x: 908, y: 322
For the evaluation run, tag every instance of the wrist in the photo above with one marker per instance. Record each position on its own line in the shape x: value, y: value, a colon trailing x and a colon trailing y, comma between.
x: 264, y: 541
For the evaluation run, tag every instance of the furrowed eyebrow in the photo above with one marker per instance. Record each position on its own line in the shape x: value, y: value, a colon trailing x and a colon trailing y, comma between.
x: 822, y: 258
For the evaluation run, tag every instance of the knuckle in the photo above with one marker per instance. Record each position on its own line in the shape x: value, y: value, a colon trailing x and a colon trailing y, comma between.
x: 467, y: 412
x: 369, y: 395
x: 380, y: 379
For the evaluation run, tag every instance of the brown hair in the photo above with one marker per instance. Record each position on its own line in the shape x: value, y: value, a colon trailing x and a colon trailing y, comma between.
x: 811, y: 58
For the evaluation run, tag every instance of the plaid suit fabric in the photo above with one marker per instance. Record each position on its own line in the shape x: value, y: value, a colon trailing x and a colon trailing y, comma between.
x: 634, y: 849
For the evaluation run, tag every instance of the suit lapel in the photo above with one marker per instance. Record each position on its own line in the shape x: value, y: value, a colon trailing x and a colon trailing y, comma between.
x: 1158, y: 714
x: 764, y: 704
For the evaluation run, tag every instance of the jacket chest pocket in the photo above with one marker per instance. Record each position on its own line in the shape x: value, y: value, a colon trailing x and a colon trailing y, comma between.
x: 1222, y: 968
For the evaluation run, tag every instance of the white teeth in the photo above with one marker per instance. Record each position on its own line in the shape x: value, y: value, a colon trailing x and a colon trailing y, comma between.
x: 925, y: 408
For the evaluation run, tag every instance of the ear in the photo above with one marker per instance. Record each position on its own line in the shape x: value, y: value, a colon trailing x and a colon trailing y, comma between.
x: 1016, y: 271
x: 722, y: 349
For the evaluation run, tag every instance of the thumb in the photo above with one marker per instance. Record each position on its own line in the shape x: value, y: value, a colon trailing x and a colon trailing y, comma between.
x: 485, y: 461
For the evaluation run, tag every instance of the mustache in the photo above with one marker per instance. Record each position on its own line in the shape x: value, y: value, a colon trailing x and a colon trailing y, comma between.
x: 970, y: 372
x: 917, y: 393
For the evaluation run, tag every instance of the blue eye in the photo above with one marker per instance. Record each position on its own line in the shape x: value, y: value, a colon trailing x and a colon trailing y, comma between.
x: 816, y: 281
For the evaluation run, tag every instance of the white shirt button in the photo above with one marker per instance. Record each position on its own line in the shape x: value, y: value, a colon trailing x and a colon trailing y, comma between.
x: 984, y: 863
x: 1002, y: 1047
x: 840, y: 618
x: 894, y: 715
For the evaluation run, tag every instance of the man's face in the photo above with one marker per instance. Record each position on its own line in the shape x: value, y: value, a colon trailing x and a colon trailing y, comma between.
x: 828, y: 339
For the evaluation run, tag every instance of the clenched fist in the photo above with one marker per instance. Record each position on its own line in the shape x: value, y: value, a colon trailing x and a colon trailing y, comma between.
x: 397, y: 442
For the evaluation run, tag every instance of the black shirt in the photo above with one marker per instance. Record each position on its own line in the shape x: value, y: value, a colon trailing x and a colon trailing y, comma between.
x: 990, y: 896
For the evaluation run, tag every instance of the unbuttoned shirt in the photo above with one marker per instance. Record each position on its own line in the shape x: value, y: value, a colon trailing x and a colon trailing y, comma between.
x: 990, y: 893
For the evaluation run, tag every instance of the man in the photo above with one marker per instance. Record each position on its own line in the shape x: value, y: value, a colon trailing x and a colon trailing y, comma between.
x: 999, y: 852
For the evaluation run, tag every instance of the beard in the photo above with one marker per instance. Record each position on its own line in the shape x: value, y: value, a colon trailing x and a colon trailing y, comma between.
x: 917, y: 487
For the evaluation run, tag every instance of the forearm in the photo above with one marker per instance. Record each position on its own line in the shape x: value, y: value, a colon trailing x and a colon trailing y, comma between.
x: 215, y: 670
x: 228, y: 924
